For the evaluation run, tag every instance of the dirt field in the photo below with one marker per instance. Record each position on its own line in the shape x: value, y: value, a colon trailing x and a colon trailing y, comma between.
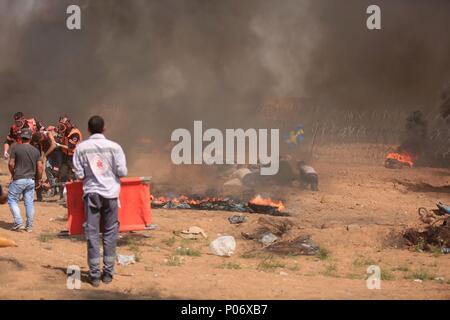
x: 351, y: 216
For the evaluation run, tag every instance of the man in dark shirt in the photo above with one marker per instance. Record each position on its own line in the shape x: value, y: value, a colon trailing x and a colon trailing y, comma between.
x: 25, y: 165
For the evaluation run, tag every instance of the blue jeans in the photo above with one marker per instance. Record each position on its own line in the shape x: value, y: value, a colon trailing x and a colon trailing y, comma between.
x: 16, y: 189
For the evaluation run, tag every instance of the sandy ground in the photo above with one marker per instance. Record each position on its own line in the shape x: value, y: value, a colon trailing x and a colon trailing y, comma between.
x: 357, y: 207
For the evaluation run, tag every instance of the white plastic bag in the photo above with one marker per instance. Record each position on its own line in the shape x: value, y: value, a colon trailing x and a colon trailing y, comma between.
x: 223, y: 246
x: 126, y: 260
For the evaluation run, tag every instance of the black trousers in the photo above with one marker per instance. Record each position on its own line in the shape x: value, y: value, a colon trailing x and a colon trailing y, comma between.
x: 65, y: 172
x: 98, y: 209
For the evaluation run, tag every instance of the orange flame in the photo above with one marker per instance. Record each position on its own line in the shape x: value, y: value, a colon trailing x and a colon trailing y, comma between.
x: 404, y: 158
x: 258, y: 200
x: 183, y: 199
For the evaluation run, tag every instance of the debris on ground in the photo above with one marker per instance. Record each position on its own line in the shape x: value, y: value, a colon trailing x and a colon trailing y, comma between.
x: 268, y: 238
x: 443, y: 208
x: 63, y: 234
x: 269, y: 226
x: 223, y: 246
x: 256, y: 205
x: 193, y: 233
x: 435, y: 233
x: 4, y: 243
x: 302, y: 245
x: 126, y: 260
x: 428, y: 217
x: 151, y: 227
x: 237, y: 219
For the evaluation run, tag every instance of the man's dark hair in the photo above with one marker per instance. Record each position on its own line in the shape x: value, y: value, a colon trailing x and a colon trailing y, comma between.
x: 96, y: 124
x: 18, y: 115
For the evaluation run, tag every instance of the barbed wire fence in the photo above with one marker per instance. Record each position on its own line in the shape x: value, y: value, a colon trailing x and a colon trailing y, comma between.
x: 376, y: 131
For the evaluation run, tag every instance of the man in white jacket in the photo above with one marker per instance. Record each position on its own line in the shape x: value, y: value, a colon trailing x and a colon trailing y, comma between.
x: 100, y: 163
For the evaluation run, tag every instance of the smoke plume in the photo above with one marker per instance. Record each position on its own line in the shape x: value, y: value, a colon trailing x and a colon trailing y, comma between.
x: 151, y: 66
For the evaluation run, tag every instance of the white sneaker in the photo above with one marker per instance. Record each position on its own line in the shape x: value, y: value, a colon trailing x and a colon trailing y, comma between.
x: 18, y: 227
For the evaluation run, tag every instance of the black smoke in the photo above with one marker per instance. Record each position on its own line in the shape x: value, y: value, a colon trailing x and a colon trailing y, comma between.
x: 153, y: 66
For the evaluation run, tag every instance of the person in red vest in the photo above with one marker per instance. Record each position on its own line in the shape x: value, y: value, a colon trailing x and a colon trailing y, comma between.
x: 70, y: 138
x: 47, y: 143
x: 20, y: 122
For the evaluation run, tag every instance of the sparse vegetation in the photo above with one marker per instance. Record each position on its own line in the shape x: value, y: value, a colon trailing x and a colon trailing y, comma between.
x: 170, y: 241
x: 294, y: 267
x: 231, y: 266
x: 435, y: 250
x: 421, y: 275
x: 173, y: 261
x: 387, y: 276
x: 46, y: 237
x: 269, y: 265
x: 136, y: 250
x: 323, y: 254
x: 182, y: 251
x: 363, y: 262
x: 330, y: 271
x: 355, y: 276
x: 251, y: 255
x: 419, y: 247
x: 402, y: 268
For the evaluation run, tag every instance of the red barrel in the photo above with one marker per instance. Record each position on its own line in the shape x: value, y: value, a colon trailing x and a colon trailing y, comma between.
x: 134, y: 206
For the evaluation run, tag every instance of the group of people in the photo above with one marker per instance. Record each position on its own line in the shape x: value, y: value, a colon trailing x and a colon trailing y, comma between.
x: 98, y: 162
x: 55, y: 144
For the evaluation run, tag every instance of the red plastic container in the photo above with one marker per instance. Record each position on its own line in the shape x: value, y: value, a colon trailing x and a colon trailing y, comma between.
x: 134, y: 211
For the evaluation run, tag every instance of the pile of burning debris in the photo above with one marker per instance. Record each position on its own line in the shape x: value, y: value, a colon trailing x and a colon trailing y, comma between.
x: 435, y: 233
x: 396, y: 160
x: 256, y: 205
x: 423, y: 143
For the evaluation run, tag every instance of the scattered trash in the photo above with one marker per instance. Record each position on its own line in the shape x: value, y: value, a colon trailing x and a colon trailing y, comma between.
x: 7, y: 243
x: 219, y: 204
x: 193, y: 233
x: 269, y: 230
x: 418, y: 280
x: 237, y: 219
x: 436, y: 233
x: 443, y: 208
x: 223, y: 246
x: 445, y: 250
x: 151, y: 227
x: 439, y: 278
x: 174, y: 205
x: 268, y: 238
x: 302, y: 245
x: 63, y: 233
x: 126, y: 260
x: 283, y: 273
